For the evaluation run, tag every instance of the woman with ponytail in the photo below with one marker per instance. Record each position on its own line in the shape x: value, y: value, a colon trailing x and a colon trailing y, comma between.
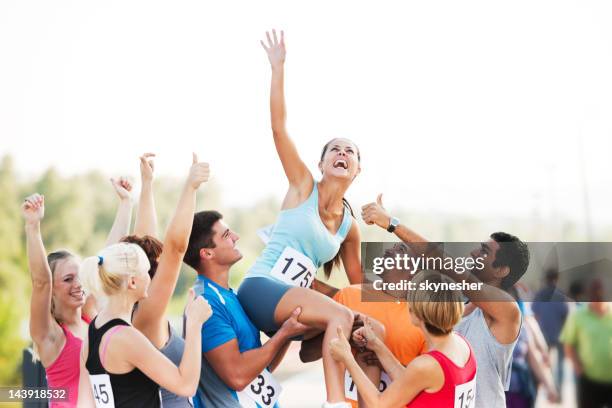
x: 315, y: 228
x: 57, y: 318
x: 119, y: 365
x: 165, y: 260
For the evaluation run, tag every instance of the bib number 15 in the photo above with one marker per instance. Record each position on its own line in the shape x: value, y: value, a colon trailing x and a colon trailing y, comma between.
x: 465, y: 395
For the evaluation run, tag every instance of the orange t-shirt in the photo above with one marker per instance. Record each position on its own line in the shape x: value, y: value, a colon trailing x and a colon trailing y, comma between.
x: 403, y: 339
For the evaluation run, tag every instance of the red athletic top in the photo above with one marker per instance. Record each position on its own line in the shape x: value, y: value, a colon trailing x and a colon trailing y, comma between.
x: 459, y: 389
x: 64, y: 371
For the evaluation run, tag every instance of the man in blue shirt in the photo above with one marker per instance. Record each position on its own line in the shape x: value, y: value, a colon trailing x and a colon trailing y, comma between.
x: 235, y: 366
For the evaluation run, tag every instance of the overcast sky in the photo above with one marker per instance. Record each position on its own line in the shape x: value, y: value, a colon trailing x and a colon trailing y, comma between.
x: 473, y: 107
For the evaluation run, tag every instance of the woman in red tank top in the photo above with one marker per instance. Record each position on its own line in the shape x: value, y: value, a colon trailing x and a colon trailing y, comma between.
x: 57, y: 321
x: 445, y: 376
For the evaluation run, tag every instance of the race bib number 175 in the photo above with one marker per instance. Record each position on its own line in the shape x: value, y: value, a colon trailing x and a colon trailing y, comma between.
x: 294, y: 268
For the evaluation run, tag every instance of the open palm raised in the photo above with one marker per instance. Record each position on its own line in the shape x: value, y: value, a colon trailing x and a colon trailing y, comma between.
x: 275, y: 48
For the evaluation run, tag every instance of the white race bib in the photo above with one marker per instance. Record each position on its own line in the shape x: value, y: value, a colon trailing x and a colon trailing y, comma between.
x: 265, y: 233
x: 465, y: 394
x: 350, y: 389
x: 102, y: 390
x: 264, y: 390
x: 294, y: 268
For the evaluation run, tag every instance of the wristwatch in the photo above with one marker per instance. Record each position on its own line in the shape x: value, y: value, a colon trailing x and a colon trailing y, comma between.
x: 393, y: 223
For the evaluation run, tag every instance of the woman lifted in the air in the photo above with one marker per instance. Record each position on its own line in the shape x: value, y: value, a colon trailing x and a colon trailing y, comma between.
x: 315, y: 228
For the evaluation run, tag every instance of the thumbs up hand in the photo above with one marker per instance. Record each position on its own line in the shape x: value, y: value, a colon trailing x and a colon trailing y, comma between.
x: 147, y: 167
x: 339, y: 348
x: 375, y: 213
x: 365, y: 336
x: 197, y: 311
x: 198, y: 174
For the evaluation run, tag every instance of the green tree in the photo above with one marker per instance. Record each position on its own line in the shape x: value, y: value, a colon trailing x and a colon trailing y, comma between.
x: 13, y: 279
x: 67, y: 223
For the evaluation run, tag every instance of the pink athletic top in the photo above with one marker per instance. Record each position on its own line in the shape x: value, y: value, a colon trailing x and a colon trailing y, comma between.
x: 456, y: 391
x: 64, y: 371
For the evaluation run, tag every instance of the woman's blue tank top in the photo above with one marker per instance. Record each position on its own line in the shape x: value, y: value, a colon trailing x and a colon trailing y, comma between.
x: 301, y: 228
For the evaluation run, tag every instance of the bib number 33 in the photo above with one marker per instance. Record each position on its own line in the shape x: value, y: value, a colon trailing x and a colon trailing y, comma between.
x: 294, y: 268
x: 263, y: 391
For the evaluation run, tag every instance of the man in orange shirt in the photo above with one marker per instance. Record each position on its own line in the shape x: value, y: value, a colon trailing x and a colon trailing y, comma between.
x: 389, y: 308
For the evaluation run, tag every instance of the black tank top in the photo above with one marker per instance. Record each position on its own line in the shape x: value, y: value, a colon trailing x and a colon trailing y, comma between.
x: 133, y: 389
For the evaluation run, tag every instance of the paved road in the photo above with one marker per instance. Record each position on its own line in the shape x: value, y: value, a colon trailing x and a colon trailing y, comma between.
x: 304, y: 389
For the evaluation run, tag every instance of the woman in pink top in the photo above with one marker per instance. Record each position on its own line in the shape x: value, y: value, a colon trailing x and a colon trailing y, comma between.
x: 57, y: 321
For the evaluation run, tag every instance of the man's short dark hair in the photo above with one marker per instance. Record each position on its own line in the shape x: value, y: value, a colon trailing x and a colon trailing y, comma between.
x: 201, y: 236
x: 512, y: 253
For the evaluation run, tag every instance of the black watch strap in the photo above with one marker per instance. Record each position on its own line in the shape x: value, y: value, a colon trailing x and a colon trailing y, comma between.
x: 393, y: 223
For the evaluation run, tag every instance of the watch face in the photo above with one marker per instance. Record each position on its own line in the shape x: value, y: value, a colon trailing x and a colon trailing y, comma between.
x: 393, y: 222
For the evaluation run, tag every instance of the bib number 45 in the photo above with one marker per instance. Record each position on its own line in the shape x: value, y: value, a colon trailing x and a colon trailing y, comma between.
x: 102, y: 391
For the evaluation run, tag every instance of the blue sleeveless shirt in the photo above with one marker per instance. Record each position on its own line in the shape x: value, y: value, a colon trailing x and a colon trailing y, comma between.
x: 301, y: 228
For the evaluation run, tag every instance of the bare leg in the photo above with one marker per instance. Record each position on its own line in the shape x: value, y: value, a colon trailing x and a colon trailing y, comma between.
x: 312, y: 333
x: 373, y: 373
x: 324, y: 313
x: 311, y: 349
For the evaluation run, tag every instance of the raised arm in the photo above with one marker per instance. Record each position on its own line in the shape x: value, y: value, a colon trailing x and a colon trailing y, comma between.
x: 44, y: 330
x: 150, y: 316
x: 140, y: 352
x: 121, y: 225
x: 296, y: 171
x: 499, y: 307
x: 375, y: 214
x: 237, y: 369
x: 146, y: 218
